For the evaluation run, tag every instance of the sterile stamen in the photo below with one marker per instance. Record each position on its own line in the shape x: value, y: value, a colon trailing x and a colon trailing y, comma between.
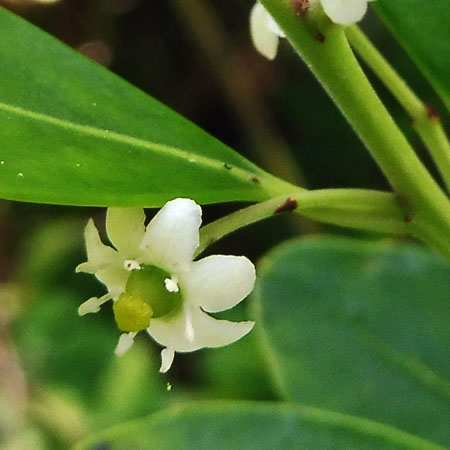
x: 93, y: 304
x: 167, y: 356
x: 172, y: 284
x: 131, y: 264
x: 126, y: 340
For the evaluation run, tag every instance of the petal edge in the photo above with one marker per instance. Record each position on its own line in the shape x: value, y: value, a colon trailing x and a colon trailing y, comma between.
x: 172, y: 235
x: 219, y: 282
x: 208, y: 332
x: 125, y: 228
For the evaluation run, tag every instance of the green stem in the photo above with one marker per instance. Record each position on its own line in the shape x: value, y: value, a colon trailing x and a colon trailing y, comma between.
x: 354, y: 208
x: 329, y: 56
x: 425, y: 122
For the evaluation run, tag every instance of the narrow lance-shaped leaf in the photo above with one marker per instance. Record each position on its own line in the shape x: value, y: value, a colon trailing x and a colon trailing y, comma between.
x: 73, y: 133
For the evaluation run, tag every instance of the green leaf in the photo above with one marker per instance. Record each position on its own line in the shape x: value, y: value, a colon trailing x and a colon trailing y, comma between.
x: 56, y: 348
x: 142, y: 393
x: 362, y: 329
x: 73, y: 133
x: 422, y: 29
x: 258, y: 426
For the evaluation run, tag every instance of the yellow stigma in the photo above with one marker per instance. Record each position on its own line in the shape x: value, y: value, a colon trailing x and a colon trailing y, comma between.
x: 132, y: 313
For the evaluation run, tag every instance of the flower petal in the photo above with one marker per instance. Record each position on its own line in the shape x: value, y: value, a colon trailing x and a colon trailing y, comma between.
x: 87, y: 267
x: 264, y: 37
x: 125, y: 228
x: 93, y: 304
x: 115, y: 279
x: 172, y: 236
x: 345, y: 12
x: 99, y: 254
x: 167, y: 356
x: 218, y: 282
x: 208, y: 332
x: 103, y: 261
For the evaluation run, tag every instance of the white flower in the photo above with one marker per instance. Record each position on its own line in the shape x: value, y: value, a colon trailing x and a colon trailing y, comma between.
x: 155, y: 285
x: 345, y: 12
x: 265, y: 32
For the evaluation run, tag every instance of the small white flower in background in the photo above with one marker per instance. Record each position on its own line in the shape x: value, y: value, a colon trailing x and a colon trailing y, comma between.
x: 345, y: 12
x: 265, y: 32
x: 155, y: 285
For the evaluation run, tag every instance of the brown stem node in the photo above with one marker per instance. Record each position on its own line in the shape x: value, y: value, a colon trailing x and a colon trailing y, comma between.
x: 289, y: 205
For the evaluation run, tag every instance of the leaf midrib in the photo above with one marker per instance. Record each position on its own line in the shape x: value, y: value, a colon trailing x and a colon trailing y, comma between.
x: 350, y: 423
x: 189, y: 157
x: 416, y: 369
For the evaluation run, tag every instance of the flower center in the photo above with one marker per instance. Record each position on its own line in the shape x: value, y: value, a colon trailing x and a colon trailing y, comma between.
x: 132, y: 314
x: 150, y: 293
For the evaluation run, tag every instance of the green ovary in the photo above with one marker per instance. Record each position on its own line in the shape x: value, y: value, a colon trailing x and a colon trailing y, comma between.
x: 145, y: 297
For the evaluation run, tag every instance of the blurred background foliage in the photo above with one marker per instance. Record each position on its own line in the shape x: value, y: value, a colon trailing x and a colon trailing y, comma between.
x: 59, y: 380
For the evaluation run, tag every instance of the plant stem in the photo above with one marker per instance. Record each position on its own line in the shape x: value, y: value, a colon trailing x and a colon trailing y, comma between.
x: 354, y: 208
x: 424, y: 120
x: 327, y: 52
x: 240, y: 87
